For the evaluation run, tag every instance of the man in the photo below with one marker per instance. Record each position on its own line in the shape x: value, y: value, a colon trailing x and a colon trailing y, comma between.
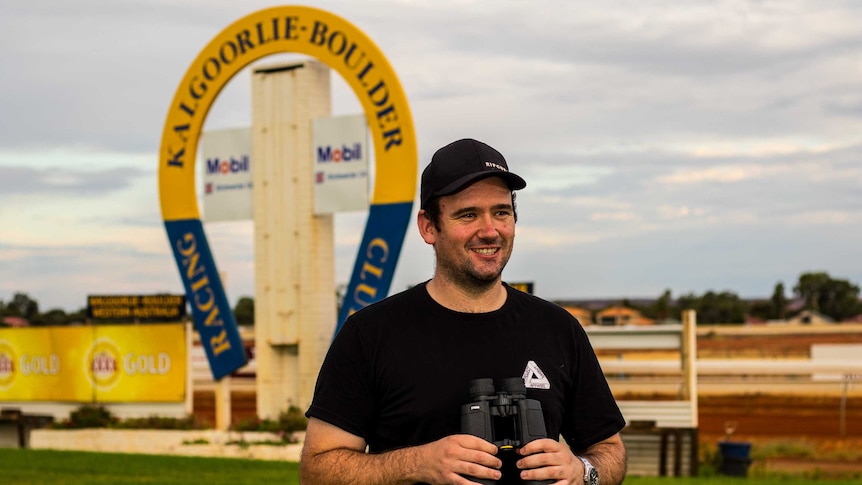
x: 398, y: 372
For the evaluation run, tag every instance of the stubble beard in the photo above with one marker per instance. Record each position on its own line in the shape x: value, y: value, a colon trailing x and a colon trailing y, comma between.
x: 468, y: 277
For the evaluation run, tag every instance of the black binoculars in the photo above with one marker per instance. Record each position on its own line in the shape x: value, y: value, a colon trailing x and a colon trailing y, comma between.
x: 505, y: 418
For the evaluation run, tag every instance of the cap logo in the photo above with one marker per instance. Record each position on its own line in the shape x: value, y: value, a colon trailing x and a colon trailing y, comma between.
x: 495, y: 165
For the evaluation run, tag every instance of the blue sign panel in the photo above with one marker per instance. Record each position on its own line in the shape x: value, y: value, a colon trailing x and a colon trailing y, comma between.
x: 377, y: 257
x: 211, y: 311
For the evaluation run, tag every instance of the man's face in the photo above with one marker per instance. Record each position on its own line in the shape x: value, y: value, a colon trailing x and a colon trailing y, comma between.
x: 476, y: 233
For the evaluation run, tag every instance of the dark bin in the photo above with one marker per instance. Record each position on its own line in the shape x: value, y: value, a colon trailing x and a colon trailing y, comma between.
x: 23, y: 423
x: 735, y: 458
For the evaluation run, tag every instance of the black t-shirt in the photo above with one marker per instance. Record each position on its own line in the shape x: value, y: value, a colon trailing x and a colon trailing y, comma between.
x: 398, y: 372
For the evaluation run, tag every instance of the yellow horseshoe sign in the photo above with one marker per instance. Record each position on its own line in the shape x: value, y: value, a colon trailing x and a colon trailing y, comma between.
x: 347, y: 50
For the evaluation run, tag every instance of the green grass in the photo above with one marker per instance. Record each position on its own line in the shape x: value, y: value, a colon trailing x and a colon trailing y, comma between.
x: 44, y: 467
x: 721, y: 480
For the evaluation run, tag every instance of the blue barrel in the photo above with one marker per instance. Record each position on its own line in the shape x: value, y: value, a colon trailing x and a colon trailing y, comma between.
x: 735, y: 458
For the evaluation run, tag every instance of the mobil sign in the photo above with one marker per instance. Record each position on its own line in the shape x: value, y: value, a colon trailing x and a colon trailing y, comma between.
x: 344, y: 154
x: 227, y: 174
x: 340, y: 145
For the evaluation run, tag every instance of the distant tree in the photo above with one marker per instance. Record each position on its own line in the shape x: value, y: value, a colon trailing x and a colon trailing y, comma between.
x: 687, y: 301
x: 660, y: 310
x: 715, y: 308
x: 836, y: 298
x: 78, y: 316
x: 663, y: 306
x: 54, y: 317
x: 761, y: 309
x: 778, y: 302
x: 809, y: 287
x: 244, y: 311
x: 727, y: 307
x: 23, y: 306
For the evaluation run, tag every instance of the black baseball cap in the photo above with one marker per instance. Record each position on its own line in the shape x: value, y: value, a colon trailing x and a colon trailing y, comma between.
x: 461, y: 163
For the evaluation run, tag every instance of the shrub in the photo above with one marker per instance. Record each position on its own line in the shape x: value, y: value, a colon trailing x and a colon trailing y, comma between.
x: 88, y: 416
x: 292, y: 420
x: 91, y: 416
x: 288, y: 422
x: 159, y: 422
x: 255, y: 424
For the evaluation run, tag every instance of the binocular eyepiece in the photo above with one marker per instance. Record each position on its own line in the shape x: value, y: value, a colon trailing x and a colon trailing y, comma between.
x: 505, y: 418
x: 483, y: 389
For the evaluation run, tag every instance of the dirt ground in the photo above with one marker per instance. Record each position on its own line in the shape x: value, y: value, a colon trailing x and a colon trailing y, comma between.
x: 715, y: 346
x: 818, y: 418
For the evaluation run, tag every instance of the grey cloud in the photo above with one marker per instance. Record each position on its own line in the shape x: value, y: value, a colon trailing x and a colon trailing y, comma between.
x: 849, y: 105
x: 748, y: 260
x: 663, y: 72
x: 17, y: 180
x: 693, y: 39
x: 63, y: 277
x: 631, y: 197
x: 623, y: 70
x: 101, y: 76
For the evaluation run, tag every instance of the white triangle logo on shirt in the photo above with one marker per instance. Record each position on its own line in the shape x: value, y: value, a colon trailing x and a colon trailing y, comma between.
x: 534, y: 378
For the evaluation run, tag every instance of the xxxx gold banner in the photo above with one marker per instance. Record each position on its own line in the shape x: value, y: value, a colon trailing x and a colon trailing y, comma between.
x: 110, y: 363
x: 36, y: 364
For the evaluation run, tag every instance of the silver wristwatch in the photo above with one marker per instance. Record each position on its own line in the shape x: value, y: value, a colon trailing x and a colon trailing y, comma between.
x: 591, y: 475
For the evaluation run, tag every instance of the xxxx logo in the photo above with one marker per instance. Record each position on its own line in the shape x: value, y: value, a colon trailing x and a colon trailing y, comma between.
x: 7, y: 364
x: 102, y: 362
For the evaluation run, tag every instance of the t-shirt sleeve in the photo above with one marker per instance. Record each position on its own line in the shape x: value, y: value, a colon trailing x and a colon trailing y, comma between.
x: 343, y: 394
x: 595, y: 415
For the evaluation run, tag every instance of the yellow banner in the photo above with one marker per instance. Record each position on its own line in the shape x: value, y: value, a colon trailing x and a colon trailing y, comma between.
x: 34, y: 368
x: 106, y: 363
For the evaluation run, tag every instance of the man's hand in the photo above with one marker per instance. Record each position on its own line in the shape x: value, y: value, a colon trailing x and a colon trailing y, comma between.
x: 451, y: 459
x: 332, y: 456
x: 546, y: 459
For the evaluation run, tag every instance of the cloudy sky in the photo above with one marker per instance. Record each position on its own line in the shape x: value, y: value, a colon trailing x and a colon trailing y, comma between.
x: 688, y: 145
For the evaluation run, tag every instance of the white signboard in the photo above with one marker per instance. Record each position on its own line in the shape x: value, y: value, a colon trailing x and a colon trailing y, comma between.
x: 849, y: 355
x: 340, y: 156
x: 227, y: 174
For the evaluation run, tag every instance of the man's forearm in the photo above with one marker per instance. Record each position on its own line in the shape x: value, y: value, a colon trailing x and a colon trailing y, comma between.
x: 609, y: 459
x: 350, y: 467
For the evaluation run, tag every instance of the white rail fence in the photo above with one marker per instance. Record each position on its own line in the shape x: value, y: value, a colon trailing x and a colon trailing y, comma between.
x: 838, y: 377
x: 661, y: 435
x: 657, y: 377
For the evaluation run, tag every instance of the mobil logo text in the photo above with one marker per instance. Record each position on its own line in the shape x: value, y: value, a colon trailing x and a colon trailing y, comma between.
x: 227, y: 166
x: 345, y: 153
